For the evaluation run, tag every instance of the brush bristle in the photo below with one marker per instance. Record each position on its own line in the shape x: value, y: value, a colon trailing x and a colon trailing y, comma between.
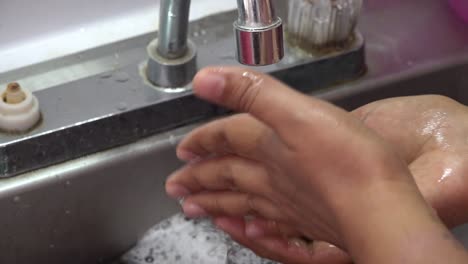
x: 322, y: 23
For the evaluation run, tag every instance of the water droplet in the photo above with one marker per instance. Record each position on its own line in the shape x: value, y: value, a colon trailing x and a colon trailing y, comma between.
x: 196, y: 34
x: 80, y: 56
x: 203, y: 32
x: 67, y: 212
x: 17, y: 199
x: 68, y: 183
x: 122, y: 106
x: 122, y: 77
x: 51, y: 246
x: 205, y: 41
x: 117, y: 56
x: 447, y: 173
x: 149, y: 259
x: 173, y: 140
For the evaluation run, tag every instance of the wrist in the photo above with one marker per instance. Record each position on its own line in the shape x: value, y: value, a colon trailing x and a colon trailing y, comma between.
x: 395, y: 225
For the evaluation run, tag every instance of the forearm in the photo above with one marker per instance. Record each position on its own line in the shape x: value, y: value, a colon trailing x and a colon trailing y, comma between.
x: 398, y: 227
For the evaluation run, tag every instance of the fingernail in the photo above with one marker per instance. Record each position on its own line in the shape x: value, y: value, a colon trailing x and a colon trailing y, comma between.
x: 253, y: 231
x: 274, y: 244
x: 299, y: 243
x: 187, y: 156
x: 210, y: 85
x: 313, y: 247
x: 177, y: 191
x: 193, y: 210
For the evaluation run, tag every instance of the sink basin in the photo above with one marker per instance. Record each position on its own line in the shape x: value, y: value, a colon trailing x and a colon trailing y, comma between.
x: 96, y: 207
x: 92, y: 209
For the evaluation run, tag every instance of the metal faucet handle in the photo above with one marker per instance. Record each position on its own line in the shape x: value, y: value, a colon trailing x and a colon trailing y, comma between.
x: 259, y: 33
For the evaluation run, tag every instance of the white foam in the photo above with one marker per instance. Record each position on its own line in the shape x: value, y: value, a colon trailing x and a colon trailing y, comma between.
x: 181, y: 241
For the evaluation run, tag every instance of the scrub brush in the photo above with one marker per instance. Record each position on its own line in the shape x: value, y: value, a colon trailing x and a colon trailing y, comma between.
x: 322, y: 24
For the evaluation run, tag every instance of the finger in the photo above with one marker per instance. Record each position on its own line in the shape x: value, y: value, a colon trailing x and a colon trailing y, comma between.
x: 230, y: 204
x: 260, y: 227
x: 262, y: 96
x: 220, y: 174
x: 326, y: 253
x: 240, y: 134
x: 274, y: 248
x: 281, y: 249
x: 321, y: 252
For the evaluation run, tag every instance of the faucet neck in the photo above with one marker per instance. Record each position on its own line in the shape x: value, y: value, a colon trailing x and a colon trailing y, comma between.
x: 173, y: 28
x: 256, y: 13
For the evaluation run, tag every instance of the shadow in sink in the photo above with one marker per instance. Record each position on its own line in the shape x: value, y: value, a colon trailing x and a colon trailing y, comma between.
x: 451, y: 82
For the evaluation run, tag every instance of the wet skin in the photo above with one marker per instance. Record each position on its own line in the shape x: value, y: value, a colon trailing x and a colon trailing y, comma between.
x: 421, y: 130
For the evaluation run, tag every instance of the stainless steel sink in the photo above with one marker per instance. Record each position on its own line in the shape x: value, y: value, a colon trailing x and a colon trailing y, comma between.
x: 92, y: 209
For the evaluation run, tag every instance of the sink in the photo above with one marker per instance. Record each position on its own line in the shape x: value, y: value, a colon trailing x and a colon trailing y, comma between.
x: 94, y: 208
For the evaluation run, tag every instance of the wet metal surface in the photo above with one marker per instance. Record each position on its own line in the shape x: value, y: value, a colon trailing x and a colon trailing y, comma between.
x: 95, y: 208
x: 117, y: 106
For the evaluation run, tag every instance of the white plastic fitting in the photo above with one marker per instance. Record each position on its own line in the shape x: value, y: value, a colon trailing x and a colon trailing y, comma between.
x: 19, y: 109
x: 321, y: 23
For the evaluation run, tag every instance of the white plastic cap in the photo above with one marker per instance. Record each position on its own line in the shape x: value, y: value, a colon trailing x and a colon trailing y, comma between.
x: 322, y: 22
x: 19, y: 116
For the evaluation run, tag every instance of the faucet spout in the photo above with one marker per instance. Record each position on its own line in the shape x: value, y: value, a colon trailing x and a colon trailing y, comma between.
x: 256, y: 13
x: 259, y: 39
x: 259, y: 33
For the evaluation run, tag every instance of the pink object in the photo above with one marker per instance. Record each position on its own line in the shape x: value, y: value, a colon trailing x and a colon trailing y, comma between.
x: 461, y: 8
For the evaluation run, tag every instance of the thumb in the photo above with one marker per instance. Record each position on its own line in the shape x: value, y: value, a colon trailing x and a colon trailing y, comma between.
x: 260, y: 95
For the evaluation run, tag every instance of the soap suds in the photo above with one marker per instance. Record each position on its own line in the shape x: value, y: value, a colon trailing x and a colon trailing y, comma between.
x: 185, y: 241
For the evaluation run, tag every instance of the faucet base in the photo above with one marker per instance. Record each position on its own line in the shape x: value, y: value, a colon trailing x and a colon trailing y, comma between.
x: 171, y: 73
x: 121, y: 101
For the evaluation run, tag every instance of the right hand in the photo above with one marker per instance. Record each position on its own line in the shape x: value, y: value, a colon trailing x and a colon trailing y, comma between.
x: 429, y: 132
x: 315, y: 166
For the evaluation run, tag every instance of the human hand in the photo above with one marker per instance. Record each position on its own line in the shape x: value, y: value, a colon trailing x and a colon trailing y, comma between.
x: 429, y: 133
x: 298, y: 167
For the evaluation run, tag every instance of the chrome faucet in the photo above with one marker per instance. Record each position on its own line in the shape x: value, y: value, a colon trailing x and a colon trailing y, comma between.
x: 172, y: 63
